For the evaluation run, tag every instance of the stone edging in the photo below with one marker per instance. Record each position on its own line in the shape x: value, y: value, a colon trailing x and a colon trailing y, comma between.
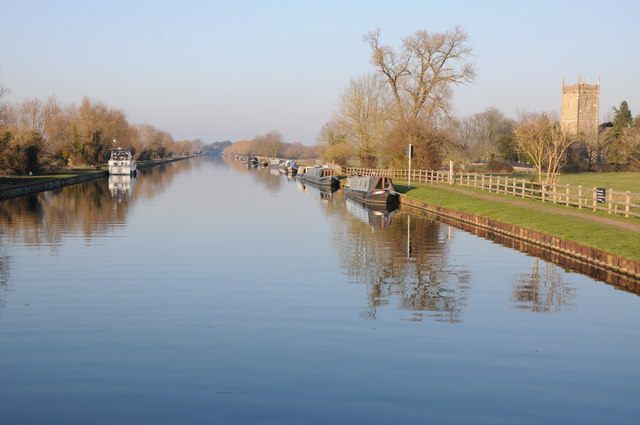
x: 584, y: 253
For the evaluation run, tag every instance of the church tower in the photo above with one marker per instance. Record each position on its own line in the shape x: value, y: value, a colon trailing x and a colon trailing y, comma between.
x: 580, y: 108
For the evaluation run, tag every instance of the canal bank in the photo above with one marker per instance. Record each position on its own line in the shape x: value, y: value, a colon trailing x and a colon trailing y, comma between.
x: 612, y: 246
x: 56, y: 181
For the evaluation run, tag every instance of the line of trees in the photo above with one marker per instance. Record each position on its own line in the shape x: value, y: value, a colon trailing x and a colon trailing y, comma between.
x: 407, y: 97
x: 271, y: 145
x: 38, y: 135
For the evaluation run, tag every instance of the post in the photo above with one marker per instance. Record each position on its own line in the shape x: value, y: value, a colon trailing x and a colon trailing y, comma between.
x: 626, y: 204
x: 451, y: 179
x: 410, y: 154
x: 579, y: 197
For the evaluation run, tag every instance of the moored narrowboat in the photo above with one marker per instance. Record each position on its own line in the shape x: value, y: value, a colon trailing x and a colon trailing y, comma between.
x: 322, y: 176
x: 372, y: 190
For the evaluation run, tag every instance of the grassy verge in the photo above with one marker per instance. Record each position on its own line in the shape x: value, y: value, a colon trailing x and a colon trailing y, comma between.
x: 610, y: 238
x: 10, y: 182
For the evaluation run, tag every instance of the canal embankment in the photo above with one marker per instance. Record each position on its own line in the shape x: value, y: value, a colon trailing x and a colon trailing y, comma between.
x: 16, y: 186
x: 612, y: 244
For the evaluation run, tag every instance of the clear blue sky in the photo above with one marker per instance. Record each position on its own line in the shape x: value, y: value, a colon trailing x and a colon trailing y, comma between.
x: 219, y: 70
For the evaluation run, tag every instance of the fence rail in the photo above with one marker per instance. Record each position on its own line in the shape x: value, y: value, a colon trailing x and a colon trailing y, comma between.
x: 592, y: 198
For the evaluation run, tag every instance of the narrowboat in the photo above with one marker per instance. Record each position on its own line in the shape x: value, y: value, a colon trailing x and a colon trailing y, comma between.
x: 122, y: 162
x: 290, y: 167
x: 322, y: 176
x: 377, y: 190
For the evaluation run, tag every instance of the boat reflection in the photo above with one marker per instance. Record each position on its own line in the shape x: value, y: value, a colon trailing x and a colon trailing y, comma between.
x: 121, y: 186
x: 376, y: 216
x: 325, y: 192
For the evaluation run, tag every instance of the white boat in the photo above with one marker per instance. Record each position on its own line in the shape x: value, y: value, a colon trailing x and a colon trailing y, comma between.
x: 122, y: 162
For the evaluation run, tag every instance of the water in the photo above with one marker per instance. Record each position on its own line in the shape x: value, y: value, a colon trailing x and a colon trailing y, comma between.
x: 211, y: 293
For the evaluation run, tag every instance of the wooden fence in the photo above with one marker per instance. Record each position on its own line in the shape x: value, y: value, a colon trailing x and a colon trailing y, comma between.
x: 592, y: 198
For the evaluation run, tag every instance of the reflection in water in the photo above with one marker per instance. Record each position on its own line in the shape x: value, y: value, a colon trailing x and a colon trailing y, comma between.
x: 378, y: 216
x: 90, y: 209
x: 325, y: 193
x: 542, y: 290
x: 564, y: 261
x: 121, y: 186
x: 4, y: 273
x: 268, y: 176
x: 401, y: 261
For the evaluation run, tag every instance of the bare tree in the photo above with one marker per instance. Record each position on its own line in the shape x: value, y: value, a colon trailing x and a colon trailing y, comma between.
x: 363, y: 114
x: 3, y: 92
x: 544, y: 143
x: 421, y: 74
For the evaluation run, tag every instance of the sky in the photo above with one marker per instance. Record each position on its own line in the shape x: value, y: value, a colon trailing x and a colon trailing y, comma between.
x: 234, y: 69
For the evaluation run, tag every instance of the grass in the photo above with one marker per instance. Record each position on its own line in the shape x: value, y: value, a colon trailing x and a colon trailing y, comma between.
x: 10, y: 182
x: 618, y: 181
x: 607, y: 237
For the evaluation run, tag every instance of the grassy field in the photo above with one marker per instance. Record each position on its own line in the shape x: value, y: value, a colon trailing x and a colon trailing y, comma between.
x: 616, y: 181
x: 610, y: 238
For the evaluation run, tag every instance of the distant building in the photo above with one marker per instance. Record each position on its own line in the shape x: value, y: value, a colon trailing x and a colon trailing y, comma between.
x: 580, y: 108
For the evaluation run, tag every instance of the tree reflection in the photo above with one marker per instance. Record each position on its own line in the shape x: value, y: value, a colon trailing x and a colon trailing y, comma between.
x: 543, y: 290
x: 90, y: 209
x: 402, y: 260
x: 4, y: 276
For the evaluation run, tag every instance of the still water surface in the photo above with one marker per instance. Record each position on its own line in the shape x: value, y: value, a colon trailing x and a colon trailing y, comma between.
x: 212, y: 293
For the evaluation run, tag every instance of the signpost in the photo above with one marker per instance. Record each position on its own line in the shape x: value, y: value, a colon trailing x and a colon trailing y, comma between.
x: 601, y: 195
x: 410, y: 155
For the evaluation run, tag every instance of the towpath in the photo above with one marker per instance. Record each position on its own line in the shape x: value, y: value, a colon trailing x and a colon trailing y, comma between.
x: 541, y: 207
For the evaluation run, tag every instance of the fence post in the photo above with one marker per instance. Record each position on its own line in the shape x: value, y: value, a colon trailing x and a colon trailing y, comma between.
x: 490, y: 182
x: 566, y: 191
x: 543, y: 191
x: 627, y: 201
x: 523, y: 189
x: 595, y: 191
x: 579, y: 197
x: 610, y: 201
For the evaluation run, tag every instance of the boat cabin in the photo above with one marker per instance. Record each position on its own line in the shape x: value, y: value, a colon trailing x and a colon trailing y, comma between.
x: 369, y: 184
x: 320, y: 172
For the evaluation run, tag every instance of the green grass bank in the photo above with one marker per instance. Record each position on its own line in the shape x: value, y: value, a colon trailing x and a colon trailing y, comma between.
x: 583, y: 230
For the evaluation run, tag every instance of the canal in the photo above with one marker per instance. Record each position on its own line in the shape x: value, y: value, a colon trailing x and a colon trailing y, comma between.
x: 207, y: 292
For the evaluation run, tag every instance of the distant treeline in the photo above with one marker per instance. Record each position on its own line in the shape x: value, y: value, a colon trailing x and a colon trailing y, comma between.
x: 272, y: 145
x: 38, y: 135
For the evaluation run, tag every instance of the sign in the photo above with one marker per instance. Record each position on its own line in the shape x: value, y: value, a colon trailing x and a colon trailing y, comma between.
x: 601, y: 195
x: 410, y: 151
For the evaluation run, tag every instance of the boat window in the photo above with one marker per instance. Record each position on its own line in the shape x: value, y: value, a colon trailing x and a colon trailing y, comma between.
x: 379, y: 185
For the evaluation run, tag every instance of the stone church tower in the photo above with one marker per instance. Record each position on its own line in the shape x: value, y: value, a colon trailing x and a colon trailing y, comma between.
x: 580, y: 108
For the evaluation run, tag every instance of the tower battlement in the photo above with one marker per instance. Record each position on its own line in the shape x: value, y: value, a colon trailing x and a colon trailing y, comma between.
x: 580, y: 108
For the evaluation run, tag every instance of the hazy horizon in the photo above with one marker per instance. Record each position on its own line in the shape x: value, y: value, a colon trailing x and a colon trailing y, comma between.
x: 221, y: 71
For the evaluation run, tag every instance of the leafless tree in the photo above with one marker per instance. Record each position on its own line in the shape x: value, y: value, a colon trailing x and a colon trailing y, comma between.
x: 3, y: 92
x: 363, y: 115
x: 544, y: 143
x: 422, y: 73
